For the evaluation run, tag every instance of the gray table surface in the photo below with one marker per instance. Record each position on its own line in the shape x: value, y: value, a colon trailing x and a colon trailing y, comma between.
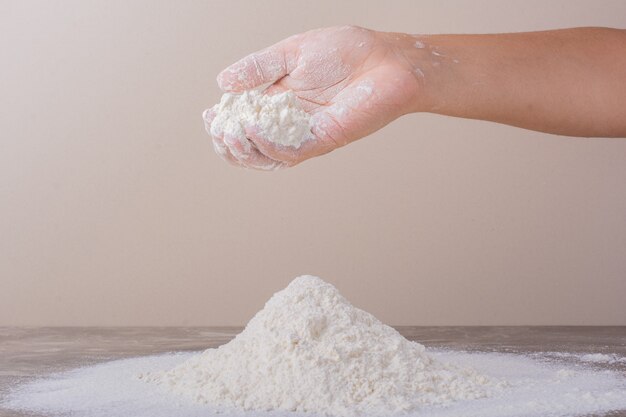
x: 26, y: 353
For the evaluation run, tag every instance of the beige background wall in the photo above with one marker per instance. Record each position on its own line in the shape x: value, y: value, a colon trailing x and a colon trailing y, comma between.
x: 115, y: 211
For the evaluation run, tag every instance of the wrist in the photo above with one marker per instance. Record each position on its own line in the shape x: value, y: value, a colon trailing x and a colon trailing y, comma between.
x: 433, y: 63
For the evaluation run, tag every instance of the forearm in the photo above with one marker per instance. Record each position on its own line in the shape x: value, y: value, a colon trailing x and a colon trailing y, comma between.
x: 569, y: 82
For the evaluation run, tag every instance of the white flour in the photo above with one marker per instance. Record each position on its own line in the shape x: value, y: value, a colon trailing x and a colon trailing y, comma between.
x: 544, y: 385
x: 278, y: 117
x: 310, y: 350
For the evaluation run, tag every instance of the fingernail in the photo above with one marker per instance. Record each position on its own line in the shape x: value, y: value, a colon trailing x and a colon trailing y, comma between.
x: 225, y: 78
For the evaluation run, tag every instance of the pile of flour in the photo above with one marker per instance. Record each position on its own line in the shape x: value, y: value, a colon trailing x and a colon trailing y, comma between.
x: 310, y: 350
x: 278, y: 118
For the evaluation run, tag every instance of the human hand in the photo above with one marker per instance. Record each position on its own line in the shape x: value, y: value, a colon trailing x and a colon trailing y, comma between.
x: 352, y: 81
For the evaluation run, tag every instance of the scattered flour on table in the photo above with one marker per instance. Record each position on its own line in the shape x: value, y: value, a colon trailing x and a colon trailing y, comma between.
x: 598, y: 358
x: 279, y: 118
x: 310, y: 350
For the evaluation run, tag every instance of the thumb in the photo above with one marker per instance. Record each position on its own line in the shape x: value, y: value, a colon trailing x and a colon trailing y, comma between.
x: 262, y: 67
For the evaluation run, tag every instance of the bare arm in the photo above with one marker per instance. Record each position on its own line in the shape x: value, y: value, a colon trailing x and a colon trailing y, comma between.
x: 353, y: 81
x: 569, y: 82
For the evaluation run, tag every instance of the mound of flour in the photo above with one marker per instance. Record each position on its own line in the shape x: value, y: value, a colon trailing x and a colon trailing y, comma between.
x: 310, y: 350
x: 279, y: 118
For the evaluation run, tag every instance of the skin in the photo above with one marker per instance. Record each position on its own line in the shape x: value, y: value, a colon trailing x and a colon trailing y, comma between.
x: 354, y: 81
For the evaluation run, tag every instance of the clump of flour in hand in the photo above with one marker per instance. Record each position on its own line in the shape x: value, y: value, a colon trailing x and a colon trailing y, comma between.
x: 278, y: 117
x: 310, y: 350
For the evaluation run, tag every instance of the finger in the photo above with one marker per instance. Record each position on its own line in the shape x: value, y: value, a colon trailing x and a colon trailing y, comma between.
x: 223, y: 152
x: 219, y: 146
x: 276, y: 88
x: 328, y: 130
x: 248, y: 155
x: 262, y: 67
x: 271, y: 150
x: 208, y: 115
x: 287, y: 155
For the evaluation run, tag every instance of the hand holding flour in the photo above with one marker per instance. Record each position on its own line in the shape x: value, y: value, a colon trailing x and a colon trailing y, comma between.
x: 329, y: 87
x: 351, y: 81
